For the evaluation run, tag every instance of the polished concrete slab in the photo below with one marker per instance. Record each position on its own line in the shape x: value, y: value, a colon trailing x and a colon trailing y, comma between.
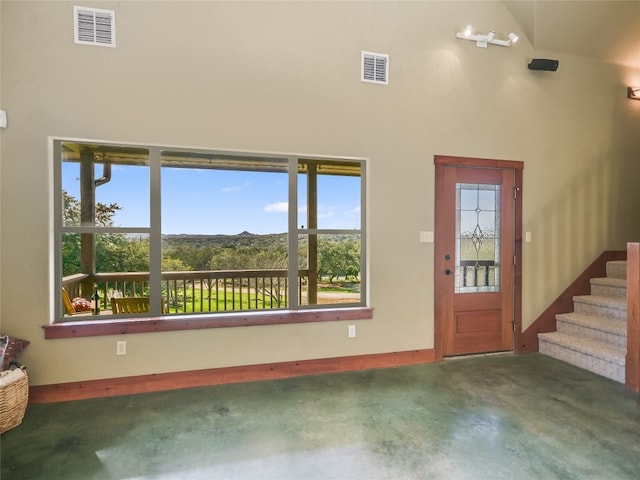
x: 488, y: 417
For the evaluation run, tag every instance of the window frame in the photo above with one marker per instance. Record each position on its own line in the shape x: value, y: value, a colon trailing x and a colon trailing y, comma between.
x: 62, y: 326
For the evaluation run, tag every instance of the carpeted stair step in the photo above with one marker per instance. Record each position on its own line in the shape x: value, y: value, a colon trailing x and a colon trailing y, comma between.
x: 597, y: 357
x: 601, y: 306
x: 617, y: 269
x: 609, y: 287
x: 602, y: 329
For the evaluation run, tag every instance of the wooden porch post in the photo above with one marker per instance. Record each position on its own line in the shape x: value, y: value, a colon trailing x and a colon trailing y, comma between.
x: 633, y: 317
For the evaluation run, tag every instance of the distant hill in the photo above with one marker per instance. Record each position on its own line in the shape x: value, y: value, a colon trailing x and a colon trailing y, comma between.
x: 241, y: 239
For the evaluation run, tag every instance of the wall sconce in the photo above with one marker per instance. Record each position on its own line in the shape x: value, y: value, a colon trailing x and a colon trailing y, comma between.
x: 633, y: 93
x: 483, y: 40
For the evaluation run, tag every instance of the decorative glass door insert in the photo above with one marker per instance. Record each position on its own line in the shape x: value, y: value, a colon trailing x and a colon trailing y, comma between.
x: 477, y: 266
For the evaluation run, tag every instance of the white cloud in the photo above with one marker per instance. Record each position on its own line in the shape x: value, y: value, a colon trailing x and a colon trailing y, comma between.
x: 236, y: 188
x: 279, y: 207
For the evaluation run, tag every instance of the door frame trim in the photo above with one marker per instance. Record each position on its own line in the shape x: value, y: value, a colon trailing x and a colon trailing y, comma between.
x: 440, y: 162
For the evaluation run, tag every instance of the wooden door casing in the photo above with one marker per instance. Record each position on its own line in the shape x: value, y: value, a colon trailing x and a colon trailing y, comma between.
x: 477, y: 322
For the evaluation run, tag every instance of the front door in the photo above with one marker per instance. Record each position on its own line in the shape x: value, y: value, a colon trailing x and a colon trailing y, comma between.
x: 475, y: 249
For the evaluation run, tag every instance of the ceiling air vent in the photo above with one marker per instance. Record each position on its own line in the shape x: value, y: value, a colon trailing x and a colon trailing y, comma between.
x: 93, y: 26
x: 375, y: 68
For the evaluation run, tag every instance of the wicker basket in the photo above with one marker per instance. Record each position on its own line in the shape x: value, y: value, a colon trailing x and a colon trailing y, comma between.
x: 13, y: 400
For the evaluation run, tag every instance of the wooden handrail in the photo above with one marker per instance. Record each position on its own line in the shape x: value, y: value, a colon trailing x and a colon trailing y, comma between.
x: 632, y: 369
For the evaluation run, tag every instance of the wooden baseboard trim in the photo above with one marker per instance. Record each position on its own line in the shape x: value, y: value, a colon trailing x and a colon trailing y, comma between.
x: 546, y: 322
x: 218, y: 376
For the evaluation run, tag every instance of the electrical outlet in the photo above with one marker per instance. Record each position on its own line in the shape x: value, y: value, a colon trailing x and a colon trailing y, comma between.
x: 352, y: 331
x: 121, y: 347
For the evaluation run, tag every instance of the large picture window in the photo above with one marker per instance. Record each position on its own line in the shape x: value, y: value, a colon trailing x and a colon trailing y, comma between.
x: 147, y: 231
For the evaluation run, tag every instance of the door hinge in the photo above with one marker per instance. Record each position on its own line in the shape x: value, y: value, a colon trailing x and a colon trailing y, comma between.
x: 515, y: 192
x: 514, y: 260
x: 514, y: 326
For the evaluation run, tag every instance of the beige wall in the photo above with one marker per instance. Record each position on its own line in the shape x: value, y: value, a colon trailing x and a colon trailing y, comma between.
x: 285, y: 77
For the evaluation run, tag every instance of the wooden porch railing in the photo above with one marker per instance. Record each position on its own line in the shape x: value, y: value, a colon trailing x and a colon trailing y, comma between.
x: 196, y: 291
x: 477, y: 273
x: 632, y: 370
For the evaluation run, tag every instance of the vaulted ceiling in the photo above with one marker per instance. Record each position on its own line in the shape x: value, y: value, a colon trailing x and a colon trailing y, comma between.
x: 607, y: 30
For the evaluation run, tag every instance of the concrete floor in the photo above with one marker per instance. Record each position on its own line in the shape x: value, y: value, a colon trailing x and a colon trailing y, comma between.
x: 490, y: 417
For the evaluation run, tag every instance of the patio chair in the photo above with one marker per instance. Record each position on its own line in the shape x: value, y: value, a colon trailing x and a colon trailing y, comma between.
x: 69, y: 309
x: 124, y: 305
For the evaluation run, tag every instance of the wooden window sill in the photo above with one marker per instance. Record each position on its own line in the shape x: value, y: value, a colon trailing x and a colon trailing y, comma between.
x: 93, y: 328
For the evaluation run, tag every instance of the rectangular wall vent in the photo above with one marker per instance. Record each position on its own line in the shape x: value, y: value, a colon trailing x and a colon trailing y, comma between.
x: 375, y: 68
x: 94, y: 26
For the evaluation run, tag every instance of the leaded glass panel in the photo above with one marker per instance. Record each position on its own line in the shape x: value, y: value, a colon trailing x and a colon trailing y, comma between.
x: 477, y: 238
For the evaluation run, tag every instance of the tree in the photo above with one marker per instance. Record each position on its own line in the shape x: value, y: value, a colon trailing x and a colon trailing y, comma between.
x: 71, y: 212
x: 248, y: 258
x: 338, y: 258
x: 115, y: 252
x: 193, y: 257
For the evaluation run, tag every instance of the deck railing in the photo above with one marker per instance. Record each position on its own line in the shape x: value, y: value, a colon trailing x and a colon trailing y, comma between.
x: 196, y: 291
x: 477, y: 273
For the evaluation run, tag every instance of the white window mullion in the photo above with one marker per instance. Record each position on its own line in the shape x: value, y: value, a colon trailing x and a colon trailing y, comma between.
x: 364, y: 290
x: 155, y: 238
x: 293, y: 292
x: 56, y: 281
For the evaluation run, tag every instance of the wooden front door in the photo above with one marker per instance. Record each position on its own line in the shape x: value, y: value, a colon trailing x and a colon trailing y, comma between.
x: 475, y: 255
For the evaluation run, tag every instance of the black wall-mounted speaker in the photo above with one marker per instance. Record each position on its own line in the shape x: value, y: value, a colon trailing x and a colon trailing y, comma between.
x: 544, y: 64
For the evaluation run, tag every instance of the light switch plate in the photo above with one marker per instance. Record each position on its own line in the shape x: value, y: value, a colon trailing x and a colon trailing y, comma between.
x: 426, y: 237
x: 3, y: 119
x: 527, y: 237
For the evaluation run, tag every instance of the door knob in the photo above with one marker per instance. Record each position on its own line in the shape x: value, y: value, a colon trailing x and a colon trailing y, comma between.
x: 447, y: 257
x: 448, y: 272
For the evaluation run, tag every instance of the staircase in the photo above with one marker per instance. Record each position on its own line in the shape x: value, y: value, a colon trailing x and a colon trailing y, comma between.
x: 594, y: 335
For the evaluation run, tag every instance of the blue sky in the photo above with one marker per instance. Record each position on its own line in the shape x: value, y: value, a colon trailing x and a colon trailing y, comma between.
x: 199, y: 201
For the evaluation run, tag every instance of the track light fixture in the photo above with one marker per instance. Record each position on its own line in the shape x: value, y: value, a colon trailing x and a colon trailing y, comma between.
x: 484, y: 40
x: 633, y: 93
